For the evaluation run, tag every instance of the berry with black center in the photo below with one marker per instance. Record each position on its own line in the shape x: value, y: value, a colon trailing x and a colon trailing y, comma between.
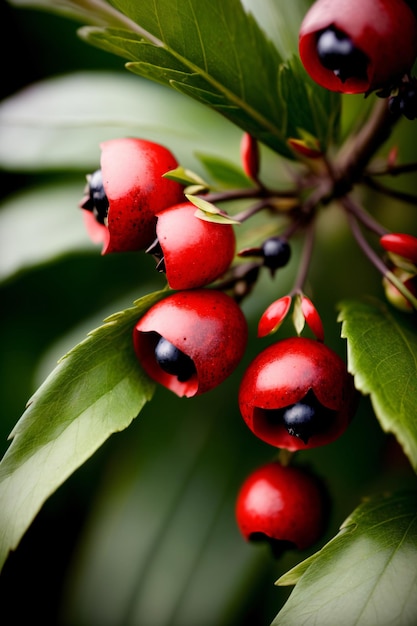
x: 307, y: 417
x: 191, y: 341
x: 121, y: 198
x: 338, y: 54
x: 297, y: 394
x: 97, y: 201
x: 173, y: 361
x: 358, y: 47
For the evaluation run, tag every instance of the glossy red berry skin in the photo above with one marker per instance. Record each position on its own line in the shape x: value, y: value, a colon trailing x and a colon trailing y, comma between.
x: 402, y: 244
x: 250, y: 156
x: 195, y: 252
x: 132, y: 175
x: 204, y: 324
x: 282, y: 505
x: 383, y: 31
x: 293, y: 371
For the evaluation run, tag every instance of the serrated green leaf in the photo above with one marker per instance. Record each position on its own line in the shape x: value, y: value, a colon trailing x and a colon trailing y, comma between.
x: 97, y: 389
x: 382, y: 356
x: 197, y: 49
x: 218, y: 54
x: 366, y: 575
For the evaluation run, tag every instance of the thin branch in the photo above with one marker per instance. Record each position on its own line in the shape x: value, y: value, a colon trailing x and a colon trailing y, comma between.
x: 403, y: 196
x: 367, y: 220
x: 359, y: 149
x: 393, y: 170
x: 248, y: 192
x: 376, y: 261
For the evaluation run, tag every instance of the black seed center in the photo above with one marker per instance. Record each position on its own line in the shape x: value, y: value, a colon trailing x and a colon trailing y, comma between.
x: 158, y: 254
x: 303, y: 419
x: 173, y: 361
x: 337, y: 52
x: 97, y: 201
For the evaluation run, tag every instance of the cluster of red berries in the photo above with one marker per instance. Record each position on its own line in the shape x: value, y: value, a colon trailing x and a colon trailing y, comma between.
x: 297, y: 393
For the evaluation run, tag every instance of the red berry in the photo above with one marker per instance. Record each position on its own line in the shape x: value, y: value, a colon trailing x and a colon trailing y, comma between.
x: 357, y: 46
x: 401, y: 244
x: 249, y: 155
x: 273, y: 316
x: 297, y: 394
x: 283, y: 505
x: 193, y: 252
x: 312, y: 317
x: 123, y: 197
x: 204, y: 333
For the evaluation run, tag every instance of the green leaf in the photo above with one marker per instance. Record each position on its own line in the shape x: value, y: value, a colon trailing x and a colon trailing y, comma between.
x: 99, y: 12
x: 225, y: 172
x: 209, y: 212
x: 97, y: 389
x: 172, y: 503
x: 366, y: 575
x: 280, y: 21
x: 219, y: 54
x: 58, y: 123
x: 382, y: 356
x: 309, y: 109
x: 40, y: 224
x: 187, y: 177
x: 203, y: 205
x: 214, y: 52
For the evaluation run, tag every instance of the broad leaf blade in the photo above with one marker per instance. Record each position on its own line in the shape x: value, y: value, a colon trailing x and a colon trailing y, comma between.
x: 58, y: 123
x: 366, y: 575
x: 215, y: 52
x: 97, y: 389
x: 382, y: 355
x: 33, y: 231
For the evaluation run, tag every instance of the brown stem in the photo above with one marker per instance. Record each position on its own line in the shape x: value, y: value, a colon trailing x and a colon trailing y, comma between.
x: 359, y: 212
x: 250, y: 192
x: 358, y: 150
x: 375, y: 259
x: 394, y: 170
x: 403, y: 196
